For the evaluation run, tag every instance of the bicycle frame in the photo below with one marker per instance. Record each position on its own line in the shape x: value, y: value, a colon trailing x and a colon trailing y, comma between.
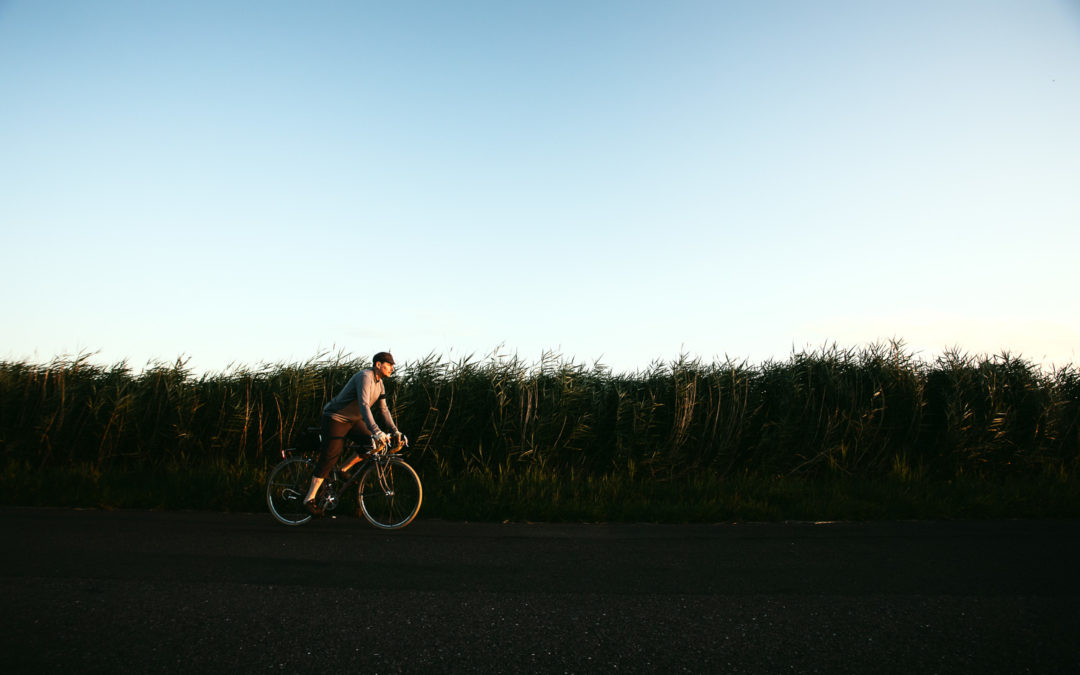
x: 378, y: 458
x: 390, y: 489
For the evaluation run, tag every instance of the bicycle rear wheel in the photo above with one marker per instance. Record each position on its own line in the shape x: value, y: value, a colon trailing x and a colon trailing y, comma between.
x: 390, y: 494
x: 285, y: 490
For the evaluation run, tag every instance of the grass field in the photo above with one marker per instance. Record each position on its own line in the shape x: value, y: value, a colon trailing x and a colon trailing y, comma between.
x: 831, y: 434
x: 557, y: 498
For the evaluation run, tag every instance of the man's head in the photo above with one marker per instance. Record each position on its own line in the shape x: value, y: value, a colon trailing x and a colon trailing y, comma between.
x: 383, y: 364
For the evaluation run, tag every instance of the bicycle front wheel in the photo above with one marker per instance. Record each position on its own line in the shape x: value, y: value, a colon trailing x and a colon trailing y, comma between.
x: 390, y: 494
x: 285, y: 490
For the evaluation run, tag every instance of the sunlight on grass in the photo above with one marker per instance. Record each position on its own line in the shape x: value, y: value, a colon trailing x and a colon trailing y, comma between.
x: 827, y: 434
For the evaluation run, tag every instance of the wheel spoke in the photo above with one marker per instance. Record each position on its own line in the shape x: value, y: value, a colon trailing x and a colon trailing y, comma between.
x: 390, y: 494
x: 285, y: 490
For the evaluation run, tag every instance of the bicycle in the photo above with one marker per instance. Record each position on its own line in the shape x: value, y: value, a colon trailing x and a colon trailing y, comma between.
x: 390, y: 492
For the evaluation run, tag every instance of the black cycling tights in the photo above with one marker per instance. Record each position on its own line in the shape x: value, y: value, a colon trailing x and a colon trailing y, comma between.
x: 333, y: 441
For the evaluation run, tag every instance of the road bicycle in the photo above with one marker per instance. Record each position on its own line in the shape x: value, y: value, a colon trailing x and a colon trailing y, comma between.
x: 389, y: 489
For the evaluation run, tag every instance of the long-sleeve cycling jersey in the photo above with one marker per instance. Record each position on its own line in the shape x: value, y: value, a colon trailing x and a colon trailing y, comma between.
x: 356, y: 399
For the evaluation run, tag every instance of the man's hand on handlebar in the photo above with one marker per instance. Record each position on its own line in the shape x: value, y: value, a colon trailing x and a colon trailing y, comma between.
x: 395, y: 441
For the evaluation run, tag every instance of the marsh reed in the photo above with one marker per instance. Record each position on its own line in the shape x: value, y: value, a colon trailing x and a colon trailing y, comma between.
x: 869, y: 413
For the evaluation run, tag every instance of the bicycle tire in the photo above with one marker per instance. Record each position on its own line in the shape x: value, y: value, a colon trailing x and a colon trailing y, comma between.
x: 285, y: 490
x: 390, y: 494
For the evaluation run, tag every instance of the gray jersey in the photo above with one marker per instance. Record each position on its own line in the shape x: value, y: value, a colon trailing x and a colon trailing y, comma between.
x: 355, y: 401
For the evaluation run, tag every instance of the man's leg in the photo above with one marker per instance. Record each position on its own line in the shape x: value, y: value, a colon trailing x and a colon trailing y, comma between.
x: 333, y: 438
x: 361, y: 435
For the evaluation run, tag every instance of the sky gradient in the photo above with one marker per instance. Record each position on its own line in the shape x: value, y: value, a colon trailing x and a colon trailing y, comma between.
x: 622, y: 181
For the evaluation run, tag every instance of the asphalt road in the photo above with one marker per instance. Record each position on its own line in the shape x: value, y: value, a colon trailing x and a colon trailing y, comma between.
x: 140, y: 592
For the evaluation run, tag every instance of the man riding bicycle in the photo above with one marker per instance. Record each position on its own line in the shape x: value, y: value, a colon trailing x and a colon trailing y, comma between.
x: 349, y: 415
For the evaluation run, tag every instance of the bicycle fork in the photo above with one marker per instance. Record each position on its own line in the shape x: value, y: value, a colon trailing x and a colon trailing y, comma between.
x: 384, y: 472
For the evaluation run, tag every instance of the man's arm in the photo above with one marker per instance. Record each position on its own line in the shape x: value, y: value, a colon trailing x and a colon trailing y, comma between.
x: 367, y: 392
x: 386, y: 413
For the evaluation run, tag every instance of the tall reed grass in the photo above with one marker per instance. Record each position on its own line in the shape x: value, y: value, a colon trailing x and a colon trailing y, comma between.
x: 871, y: 412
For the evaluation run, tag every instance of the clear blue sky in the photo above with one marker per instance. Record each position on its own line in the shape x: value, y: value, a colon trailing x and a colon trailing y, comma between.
x: 261, y: 181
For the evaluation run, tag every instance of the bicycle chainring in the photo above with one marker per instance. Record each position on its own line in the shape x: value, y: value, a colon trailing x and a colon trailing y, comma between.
x: 328, y: 498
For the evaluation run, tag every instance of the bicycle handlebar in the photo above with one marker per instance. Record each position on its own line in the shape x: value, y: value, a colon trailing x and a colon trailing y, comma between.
x: 403, y: 442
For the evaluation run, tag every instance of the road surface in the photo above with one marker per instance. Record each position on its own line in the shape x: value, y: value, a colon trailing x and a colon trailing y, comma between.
x: 131, y: 591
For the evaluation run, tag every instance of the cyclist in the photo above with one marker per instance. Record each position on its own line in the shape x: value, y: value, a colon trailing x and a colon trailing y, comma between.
x: 349, y: 415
